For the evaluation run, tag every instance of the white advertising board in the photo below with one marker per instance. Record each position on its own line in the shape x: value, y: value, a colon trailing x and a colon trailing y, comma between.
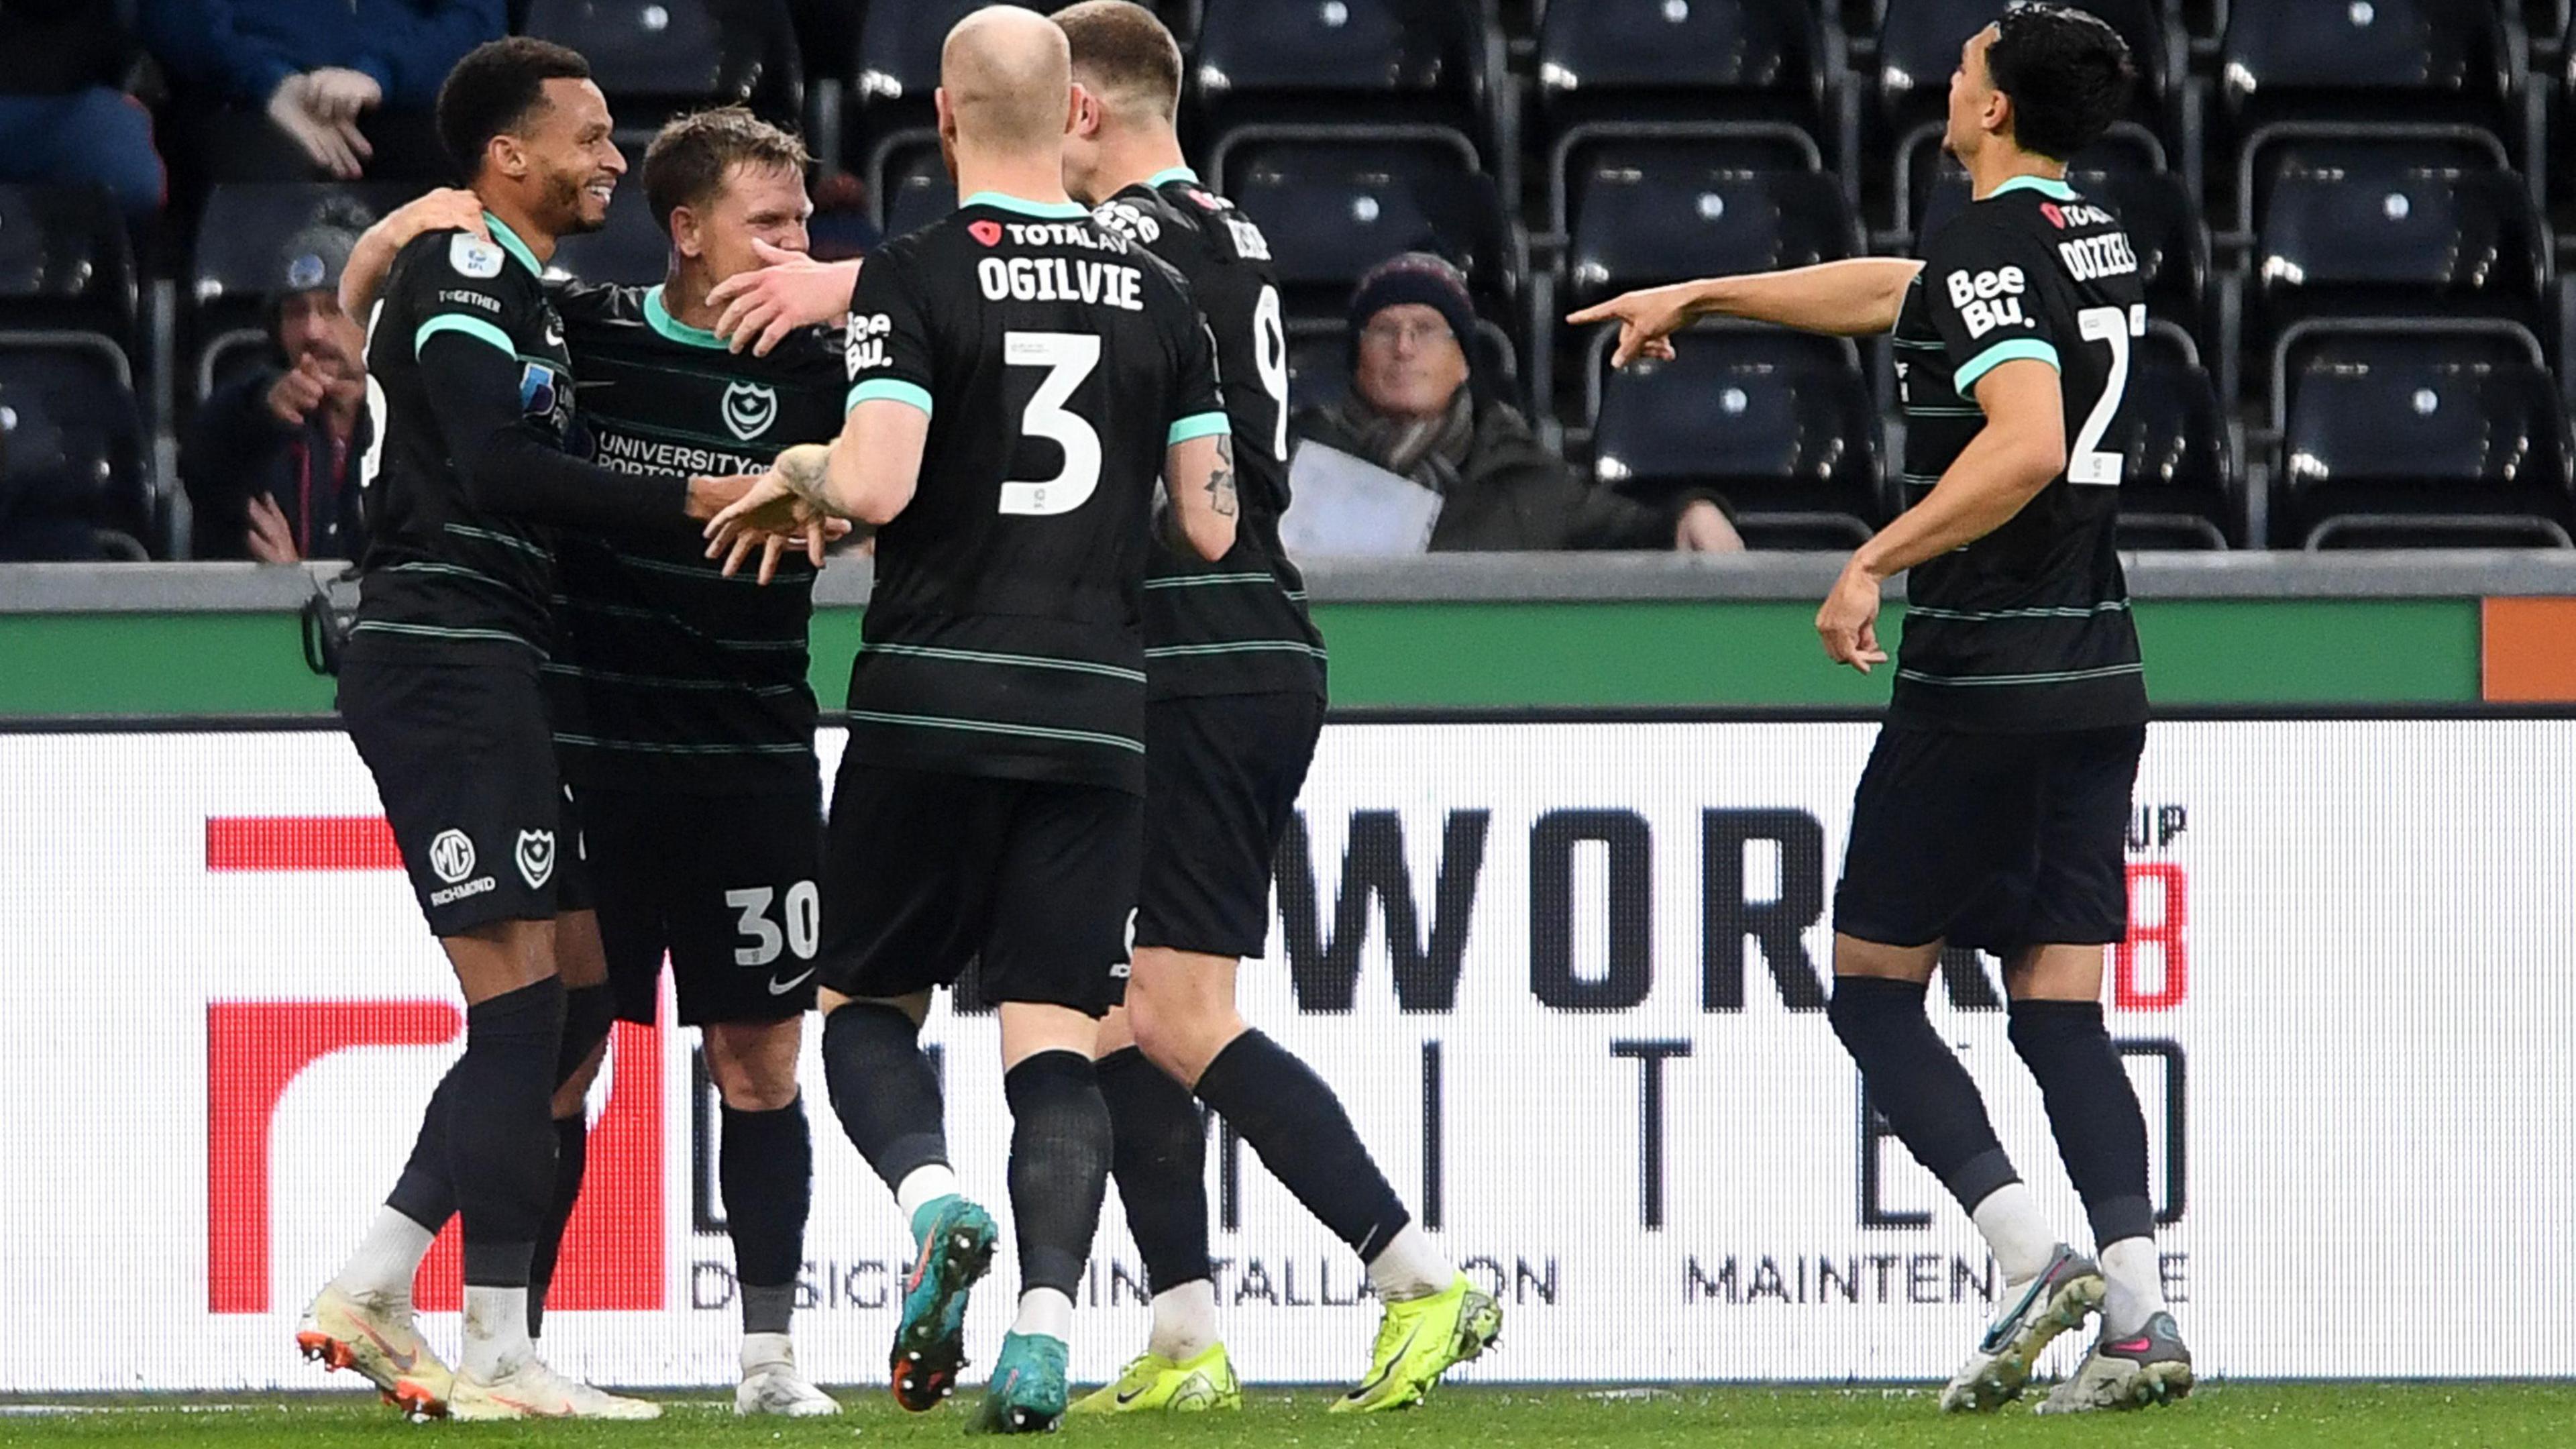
x: 1567, y: 978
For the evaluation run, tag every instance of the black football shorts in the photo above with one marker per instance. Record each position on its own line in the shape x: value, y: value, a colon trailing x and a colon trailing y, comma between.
x: 1221, y: 774
x: 724, y: 885
x: 925, y: 872
x: 456, y: 736
x: 1996, y: 841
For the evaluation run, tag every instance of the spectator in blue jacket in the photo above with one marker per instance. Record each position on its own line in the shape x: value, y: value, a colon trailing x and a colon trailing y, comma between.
x: 65, y: 119
x: 285, y: 90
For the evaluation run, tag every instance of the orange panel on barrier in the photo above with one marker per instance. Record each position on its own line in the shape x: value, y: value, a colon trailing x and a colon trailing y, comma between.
x: 2530, y: 650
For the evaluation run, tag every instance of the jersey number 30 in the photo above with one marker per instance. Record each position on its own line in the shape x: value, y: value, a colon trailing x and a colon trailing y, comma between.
x: 1068, y: 357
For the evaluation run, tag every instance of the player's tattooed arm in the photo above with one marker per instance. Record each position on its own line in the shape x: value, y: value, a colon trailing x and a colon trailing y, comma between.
x: 1220, y: 484
x: 1199, y: 475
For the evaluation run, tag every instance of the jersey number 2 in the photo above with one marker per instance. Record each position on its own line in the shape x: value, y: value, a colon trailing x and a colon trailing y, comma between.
x: 2086, y: 462
x: 1068, y: 357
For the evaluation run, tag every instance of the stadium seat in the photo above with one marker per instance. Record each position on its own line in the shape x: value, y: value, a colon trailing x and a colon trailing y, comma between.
x: 631, y: 249
x: 1342, y: 61
x: 1333, y: 211
x: 1644, y: 215
x: 2391, y: 441
x: 2178, y: 483
x: 2350, y: 235
x: 1782, y: 427
x: 72, y: 480
x: 656, y: 58
x: 1697, y: 61
x: 918, y: 192
x: 2383, y: 60
x: 892, y: 118
x: 64, y: 261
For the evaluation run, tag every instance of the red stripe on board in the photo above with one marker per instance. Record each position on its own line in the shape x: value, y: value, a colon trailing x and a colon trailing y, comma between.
x: 300, y: 842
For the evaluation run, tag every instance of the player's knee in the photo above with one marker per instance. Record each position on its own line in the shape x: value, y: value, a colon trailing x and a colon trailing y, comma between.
x: 1178, y: 1038
x: 1865, y: 1009
x: 754, y: 1064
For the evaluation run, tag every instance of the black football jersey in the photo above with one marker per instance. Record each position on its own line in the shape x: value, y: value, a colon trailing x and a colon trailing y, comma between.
x: 667, y: 674
x: 1057, y: 361
x: 436, y: 567
x: 1239, y: 625
x: 2027, y: 628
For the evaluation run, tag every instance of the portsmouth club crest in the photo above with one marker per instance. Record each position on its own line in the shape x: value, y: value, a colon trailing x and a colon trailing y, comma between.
x: 536, y: 857
x: 749, y: 409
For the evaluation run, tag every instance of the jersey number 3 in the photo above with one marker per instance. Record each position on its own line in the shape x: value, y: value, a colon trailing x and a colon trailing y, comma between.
x: 1068, y: 357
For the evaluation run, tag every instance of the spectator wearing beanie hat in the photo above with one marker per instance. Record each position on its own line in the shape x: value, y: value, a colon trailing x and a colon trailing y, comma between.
x: 272, y: 461
x: 1417, y: 408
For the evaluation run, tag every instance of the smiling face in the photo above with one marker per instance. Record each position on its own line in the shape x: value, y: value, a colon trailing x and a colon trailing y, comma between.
x: 754, y: 203
x: 571, y: 164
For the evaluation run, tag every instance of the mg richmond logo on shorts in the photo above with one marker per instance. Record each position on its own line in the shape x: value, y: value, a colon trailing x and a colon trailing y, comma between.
x: 749, y: 409
x: 451, y: 855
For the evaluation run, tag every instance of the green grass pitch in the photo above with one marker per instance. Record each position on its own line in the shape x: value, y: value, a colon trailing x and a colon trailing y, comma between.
x: 2219, y: 1416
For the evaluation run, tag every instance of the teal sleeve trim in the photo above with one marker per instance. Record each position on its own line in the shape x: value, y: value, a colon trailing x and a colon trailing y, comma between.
x: 2019, y: 349
x: 1198, y: 425
x: 474, y: 327
x: 886, y: 389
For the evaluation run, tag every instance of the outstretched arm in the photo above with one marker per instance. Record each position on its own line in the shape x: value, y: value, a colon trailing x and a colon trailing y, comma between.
x: 1845, y: 299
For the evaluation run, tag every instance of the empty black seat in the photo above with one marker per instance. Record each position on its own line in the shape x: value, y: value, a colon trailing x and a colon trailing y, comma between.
x: 655, y: 58
x: 1333, y: 211
x: 918, y: 191
x: 1692, y: 60
x: 241, y: 239
x: 1782, y: 427
x: 898, y: 71
x: 1644, y: 215
x: 631, y: 249
x: 2403, y: 441
x: 1339, y: 61
x: 71, y: 445
x: 2178, y: 479
x: 2377, y: 60
x: 64, y: 261
x: 2355, y: 237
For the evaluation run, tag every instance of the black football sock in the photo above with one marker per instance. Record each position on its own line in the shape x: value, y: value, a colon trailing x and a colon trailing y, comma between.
x: 1159, y: 1154
x: 423, y: 1192
x: 572, y: 1155
x: 1059, y: 1165
x: 1304, y: 1137
x: 2093, y: 1109
x: 589, y: 1013
x: 501, y: 1148
x: 765, y: 1168
x: 883, y: 1089
x: 1919, y: 1086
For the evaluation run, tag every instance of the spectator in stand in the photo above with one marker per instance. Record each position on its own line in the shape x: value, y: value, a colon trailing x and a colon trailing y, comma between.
x: 1416, y: 408
x: 65, y: 119
x: 296, y: 90
x: 272, y: 462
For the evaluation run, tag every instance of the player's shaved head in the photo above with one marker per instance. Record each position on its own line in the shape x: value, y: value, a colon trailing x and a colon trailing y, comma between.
x: 1123, y: 53
x: 1008, y: 76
